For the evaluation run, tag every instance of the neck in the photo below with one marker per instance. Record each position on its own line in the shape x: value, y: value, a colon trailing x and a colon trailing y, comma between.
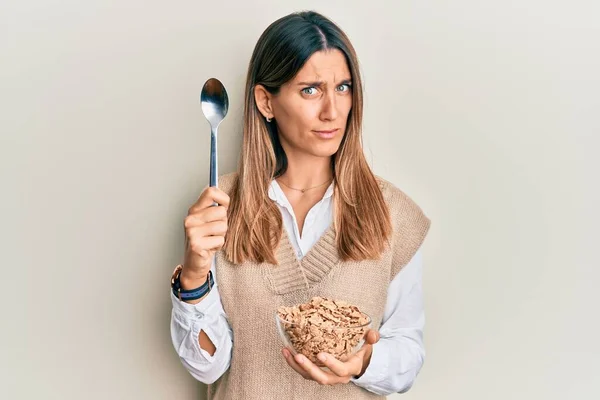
x: 304, y: 173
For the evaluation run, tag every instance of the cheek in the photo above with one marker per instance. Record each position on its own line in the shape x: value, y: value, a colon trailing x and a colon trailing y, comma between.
x: 345, y: 106
x: 301, y: 119
x: 295, y: 116
x: 308, y: 113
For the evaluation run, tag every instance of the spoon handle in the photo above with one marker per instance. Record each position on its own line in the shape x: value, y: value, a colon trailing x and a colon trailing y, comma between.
x: 213, y: 160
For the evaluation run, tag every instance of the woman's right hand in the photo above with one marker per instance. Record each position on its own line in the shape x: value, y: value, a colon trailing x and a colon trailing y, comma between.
x: 205, y: 229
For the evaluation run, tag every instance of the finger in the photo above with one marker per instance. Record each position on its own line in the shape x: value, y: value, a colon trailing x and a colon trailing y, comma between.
x: 343, y: 369
x: 215, y: 228
x: 316, y: 373
x: 210, y: 214
x: 372, y: 337
x: 202, y: 245
x: 292, y: 363
x: 211, y: 195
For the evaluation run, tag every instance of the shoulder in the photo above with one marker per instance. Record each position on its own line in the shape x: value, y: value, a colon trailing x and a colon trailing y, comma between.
x: 226, y: 182
x: 410, y: 222
x: 398, y: 201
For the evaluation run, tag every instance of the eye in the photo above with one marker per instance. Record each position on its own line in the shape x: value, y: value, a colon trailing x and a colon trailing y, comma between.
x: 309, y: 91
x: 343, y: 88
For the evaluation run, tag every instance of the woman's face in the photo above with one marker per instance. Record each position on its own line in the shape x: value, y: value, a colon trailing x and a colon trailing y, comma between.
x: 312, y: 109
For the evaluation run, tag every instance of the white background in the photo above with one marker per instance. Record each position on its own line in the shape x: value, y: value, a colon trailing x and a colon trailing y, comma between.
x: 485, y: 113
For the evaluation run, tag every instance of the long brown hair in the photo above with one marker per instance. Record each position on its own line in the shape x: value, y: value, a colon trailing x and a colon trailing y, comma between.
x: 362, y: 221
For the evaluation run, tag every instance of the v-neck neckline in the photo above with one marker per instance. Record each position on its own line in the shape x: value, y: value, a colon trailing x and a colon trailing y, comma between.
x: 326, y: 240
x: 293, y: 274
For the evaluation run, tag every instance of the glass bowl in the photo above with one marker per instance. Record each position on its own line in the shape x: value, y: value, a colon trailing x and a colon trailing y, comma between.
x: 341, y: 342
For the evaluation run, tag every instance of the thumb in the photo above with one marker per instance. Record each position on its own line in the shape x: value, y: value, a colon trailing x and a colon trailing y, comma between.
x: 372, y: 337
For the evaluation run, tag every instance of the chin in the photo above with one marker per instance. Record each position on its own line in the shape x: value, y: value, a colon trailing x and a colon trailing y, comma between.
x: 325, y: 151
x: 318, y: 148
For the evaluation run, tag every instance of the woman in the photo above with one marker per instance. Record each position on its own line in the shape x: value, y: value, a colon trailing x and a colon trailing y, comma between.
x: 303, y: 216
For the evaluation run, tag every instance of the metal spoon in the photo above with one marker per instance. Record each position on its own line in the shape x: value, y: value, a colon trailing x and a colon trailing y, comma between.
x: 215, y: 104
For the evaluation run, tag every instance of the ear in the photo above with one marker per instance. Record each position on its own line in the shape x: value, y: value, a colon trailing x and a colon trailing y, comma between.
x: 263, y: 101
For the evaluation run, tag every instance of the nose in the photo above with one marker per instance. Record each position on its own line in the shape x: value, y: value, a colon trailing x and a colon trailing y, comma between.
x: 329, y: 107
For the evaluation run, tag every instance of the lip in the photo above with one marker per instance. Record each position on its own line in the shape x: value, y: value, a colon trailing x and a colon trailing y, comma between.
x: 326, y: 134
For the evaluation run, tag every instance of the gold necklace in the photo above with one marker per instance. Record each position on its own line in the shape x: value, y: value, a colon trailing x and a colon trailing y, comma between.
x: 304, y: 190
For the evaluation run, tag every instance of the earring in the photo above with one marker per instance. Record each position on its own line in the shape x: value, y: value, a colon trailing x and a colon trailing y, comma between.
x: 268, y: 119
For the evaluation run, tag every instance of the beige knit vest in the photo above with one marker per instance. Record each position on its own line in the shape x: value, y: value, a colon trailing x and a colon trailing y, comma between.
x: 252, y: 292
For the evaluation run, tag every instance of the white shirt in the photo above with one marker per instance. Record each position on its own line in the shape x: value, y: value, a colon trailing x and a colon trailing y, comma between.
x: 396, y: 359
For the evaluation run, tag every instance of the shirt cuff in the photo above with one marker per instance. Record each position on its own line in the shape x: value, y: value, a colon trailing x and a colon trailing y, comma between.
x: 192, y: 318
x: 199, y: 309
x: 376, y: 371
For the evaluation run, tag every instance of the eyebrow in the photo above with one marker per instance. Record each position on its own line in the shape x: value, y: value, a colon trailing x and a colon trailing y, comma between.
x: 321, y: 83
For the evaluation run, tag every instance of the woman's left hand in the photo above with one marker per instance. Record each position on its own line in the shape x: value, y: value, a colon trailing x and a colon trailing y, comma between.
x: 341, y: 371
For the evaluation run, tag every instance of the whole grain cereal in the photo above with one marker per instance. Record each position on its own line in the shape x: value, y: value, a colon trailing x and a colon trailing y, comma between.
x: 324, y: 325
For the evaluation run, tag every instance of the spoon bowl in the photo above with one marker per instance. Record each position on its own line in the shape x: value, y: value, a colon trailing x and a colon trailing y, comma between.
x: 215, y: 104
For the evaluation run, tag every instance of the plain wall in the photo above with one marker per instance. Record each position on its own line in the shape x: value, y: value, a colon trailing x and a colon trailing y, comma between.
x: 485, y: 113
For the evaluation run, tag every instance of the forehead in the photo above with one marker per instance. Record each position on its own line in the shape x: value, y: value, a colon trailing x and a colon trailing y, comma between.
x: 326, y: 65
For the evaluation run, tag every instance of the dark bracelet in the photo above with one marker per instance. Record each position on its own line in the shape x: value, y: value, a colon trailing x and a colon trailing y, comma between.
x: 190, y: 294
